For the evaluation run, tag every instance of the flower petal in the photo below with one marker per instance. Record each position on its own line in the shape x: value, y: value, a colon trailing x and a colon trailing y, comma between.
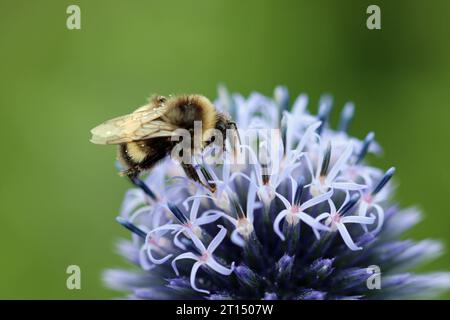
x: 322, y: 216
x: 156, y: 260
x: 284, y: 200
x: 346, y: 237
x: 339, y: 164
x: 310, y: 221
x: 307, y: 135
x: 380, y: 216
x: 316, y: 200
x: 197, y: 242
x: 186, y: 255
x: 223, y: 215
x: 348, y: 186
x: 276, y: 224
x: 358, y: 219
x: 177, y: 241
x: 237, y: 239
x: 217, y: 239
x: 194, y: 209
x: 213, y: 264
x: 193, y: 275
x: 207, y: 219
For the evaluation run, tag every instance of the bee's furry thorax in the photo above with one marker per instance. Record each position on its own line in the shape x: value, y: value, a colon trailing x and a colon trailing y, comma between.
x: 187, y: 109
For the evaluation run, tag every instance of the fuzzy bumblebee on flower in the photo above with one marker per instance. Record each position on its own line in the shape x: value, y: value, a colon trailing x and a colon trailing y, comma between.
x: 289, y: 209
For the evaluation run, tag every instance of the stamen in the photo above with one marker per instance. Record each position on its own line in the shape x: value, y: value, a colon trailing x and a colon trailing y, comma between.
x: 131, y: 227
x: 326, y: 161
x: 346, y: 116
x: 177, y: 213
x: 325, y: 105
x: 237, y: 207
x: 365, y: 147
x: 141, y: 184
x: 299, y: 191
x: 387, y: 176
x: 353, y: 200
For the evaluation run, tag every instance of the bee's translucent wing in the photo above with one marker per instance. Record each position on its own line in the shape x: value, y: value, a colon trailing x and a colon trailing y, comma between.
x: 143, y: 123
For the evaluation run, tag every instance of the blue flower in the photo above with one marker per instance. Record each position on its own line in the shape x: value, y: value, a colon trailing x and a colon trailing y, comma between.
x: 304, y: 217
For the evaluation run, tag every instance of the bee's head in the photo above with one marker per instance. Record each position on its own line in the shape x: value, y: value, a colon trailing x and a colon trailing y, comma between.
x: 224, y: 123
x: 222, y: 126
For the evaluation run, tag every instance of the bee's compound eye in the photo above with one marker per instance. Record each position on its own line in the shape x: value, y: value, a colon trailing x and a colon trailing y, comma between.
x: 220, y: 126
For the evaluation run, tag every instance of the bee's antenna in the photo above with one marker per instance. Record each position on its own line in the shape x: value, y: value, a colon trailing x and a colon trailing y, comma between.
x: 141, y: 184
x: 127, y: 224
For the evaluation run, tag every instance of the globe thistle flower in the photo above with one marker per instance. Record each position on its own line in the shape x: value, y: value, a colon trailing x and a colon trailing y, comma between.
x: 304, y: 217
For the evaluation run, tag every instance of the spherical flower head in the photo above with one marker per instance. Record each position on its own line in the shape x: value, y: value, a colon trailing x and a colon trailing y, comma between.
x: 301, y: 217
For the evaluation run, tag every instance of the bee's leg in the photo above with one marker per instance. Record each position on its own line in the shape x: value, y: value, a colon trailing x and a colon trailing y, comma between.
x: 141, y: 184
x: 133, y: 175
x: 132, y: 172
x: 192, y: 174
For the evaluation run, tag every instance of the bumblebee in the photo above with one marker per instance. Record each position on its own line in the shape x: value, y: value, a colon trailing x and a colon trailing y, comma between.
x: 145, y: 136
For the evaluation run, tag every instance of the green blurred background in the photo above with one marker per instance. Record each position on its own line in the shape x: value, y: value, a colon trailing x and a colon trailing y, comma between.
x: 59, y: 193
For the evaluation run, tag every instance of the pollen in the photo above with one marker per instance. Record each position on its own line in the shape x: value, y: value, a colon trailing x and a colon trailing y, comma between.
x: 244, y: 227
